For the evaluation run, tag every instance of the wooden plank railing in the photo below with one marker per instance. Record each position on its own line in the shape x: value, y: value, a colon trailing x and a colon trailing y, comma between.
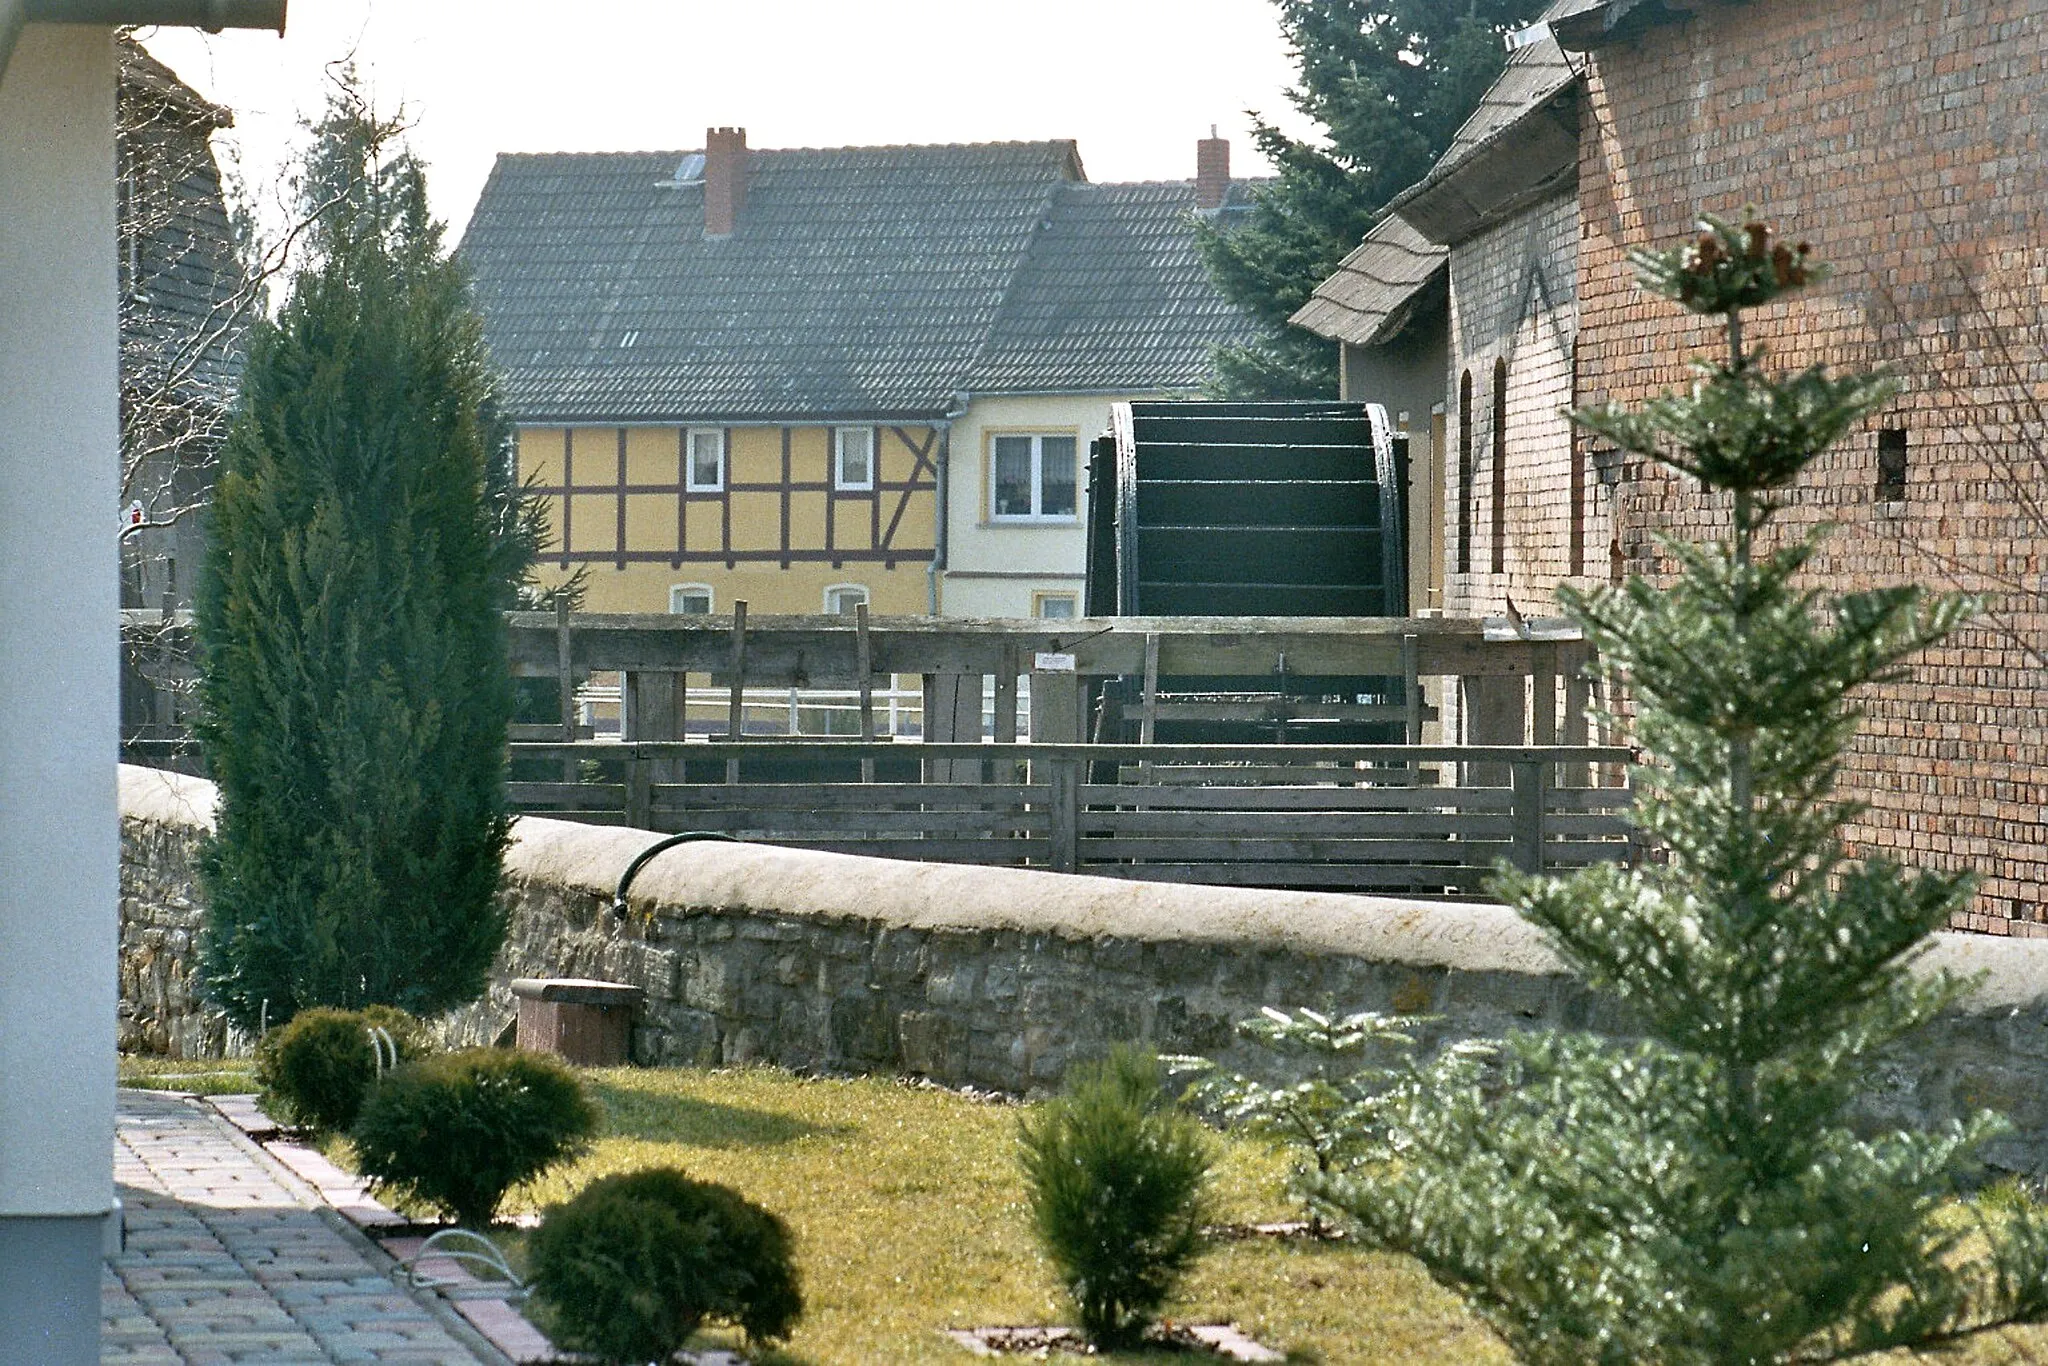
x: 1422, y: 819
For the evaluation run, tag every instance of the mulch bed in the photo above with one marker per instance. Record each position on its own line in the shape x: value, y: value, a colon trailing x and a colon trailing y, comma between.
x: 1213, y: 1340
x: 1287, y: 1228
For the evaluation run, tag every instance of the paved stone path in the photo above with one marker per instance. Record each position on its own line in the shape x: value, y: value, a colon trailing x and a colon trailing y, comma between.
x: 229, y: 1262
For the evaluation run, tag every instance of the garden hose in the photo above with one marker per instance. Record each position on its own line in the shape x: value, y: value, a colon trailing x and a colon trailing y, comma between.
x: 640, y: 861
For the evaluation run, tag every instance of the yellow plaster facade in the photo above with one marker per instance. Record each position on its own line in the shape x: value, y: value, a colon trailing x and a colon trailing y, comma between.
x: 785, y: 518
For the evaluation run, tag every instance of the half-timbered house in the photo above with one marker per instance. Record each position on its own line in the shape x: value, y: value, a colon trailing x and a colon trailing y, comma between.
x: 813, y: 378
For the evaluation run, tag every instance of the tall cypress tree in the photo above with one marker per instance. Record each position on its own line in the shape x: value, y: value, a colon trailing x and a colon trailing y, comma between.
x: 354, y: 689
x: 1390, y: 81
x: 1700, y: 1195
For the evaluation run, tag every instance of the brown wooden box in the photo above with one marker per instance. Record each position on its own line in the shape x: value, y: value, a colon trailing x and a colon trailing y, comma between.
x: 577, y: 1020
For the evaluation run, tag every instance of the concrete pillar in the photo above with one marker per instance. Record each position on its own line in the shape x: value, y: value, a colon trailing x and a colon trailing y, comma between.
x: 59, y: 690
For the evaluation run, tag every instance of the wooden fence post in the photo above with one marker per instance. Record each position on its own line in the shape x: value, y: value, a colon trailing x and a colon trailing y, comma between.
x: 639, y: 790
x: 1411, y: 701
x: 736, y: 709
x: 1532, y: 783
x: 1063, y: 774
x: 1577, y: 702
x: 952, y: 715
x: 1543, y: 694
x: 864, y: 669
x: 565, y: 685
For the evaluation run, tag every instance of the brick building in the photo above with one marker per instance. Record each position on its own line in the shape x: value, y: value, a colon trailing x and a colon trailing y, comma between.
x: 1906, y: 145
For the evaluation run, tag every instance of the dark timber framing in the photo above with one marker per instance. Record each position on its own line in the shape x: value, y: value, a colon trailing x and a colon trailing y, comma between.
x: 882, y: 547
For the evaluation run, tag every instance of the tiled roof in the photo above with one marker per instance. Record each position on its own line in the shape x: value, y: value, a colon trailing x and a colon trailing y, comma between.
x: 185, y: 298
x: 1113, y: 297
x: 860, y: 282
x: 1366, y: 301
x: 1515, y: 147
x: 1582, y: 25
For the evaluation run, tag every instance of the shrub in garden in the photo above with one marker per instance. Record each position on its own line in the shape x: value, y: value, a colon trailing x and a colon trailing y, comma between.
x: 1699, y: 1195
x: 459, y: 1130
x: 635, y: 1263
x: 1320, y: 1115
x: 315, y: 1071
x: 1117, y: 1178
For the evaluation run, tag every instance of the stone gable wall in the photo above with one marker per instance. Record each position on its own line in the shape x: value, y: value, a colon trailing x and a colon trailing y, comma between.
x: 999, y: 977
x: 1906, y: 146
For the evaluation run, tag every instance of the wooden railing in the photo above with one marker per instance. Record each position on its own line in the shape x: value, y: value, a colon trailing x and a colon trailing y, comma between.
x: 1422, y: 819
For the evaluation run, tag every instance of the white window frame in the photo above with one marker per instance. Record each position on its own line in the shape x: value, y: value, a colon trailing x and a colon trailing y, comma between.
x: 691, y: 483
x: 860, y: 588
x: 1037, y: 440
x: 839, y: 479
x: 1040, y: 597
x: 676, y: 590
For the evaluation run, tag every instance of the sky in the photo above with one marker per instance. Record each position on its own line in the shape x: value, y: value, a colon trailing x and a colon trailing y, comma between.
x: 1135, y: 82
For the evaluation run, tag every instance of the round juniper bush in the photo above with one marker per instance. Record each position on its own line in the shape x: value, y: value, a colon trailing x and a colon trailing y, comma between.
x: 631, y: 1267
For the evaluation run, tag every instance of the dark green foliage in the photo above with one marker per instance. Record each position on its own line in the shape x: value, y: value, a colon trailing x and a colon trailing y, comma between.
x: 315, y: 1071
x: 354, y: 689
x: 1117, y: 1180
x: 631, y: 1266
x: 459, y: 1130
x: 1700, y: 1196
x: 1320, y: 1113
x: 1391, y: 81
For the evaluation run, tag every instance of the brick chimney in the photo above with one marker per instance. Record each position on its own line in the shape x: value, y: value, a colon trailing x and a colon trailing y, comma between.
x: 1212, y: 171
x: 725, y: 179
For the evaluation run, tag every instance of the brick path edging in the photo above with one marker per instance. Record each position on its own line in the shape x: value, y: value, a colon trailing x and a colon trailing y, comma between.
x: 231, y: 1258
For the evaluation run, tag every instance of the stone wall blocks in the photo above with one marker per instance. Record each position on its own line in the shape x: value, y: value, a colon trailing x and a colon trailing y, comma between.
x: 677, y: 1037
x: 743, y: 1046
x: 1000, y: 983
x: 1527, y: 997
x: 2023, y: 1033
x: 957, y: 985
x: 800, y: 1039
x: 1044, y: 999
x: 862, y: 1031
x: 933, y: 1045
x: 705, y: 984
x: 1115, y: 954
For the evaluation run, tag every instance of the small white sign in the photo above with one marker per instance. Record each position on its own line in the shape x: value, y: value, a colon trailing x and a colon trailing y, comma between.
x: 1047, y: 663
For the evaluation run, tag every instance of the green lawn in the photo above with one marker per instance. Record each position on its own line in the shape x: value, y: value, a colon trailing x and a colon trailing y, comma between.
x: 909, y: 1217
x: 205, y: 1077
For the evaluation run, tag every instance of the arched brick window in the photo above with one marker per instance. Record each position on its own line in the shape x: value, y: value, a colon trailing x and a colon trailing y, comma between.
x: 1500, y: 466
x: 1465, y: 473
x: 1578, y: 477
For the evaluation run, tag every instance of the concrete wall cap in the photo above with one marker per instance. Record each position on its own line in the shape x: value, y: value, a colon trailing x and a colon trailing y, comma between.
x: 158, y: 797
x: 577, y: 991
x: 2011, y: 973
x: 807, y: 884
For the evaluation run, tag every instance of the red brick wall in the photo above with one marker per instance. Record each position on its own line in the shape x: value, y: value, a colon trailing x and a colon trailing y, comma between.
x: 1902, y: 140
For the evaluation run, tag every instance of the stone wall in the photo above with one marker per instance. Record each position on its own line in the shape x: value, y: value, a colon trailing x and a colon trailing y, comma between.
x: 999, y: 977
x: 162, y: 816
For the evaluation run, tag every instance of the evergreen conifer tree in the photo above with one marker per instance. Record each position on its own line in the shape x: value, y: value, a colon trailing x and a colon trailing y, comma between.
x: 1391, y: 81
x: 1698, y: 1195
x: 365, y: 537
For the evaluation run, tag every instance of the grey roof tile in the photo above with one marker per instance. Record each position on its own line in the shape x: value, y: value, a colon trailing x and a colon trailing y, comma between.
x: 1113, y: 297
x: 877, y: 282
x: 1366, y: 300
